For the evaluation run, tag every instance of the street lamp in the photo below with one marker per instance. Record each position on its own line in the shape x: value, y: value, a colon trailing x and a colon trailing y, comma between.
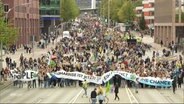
x: 9, y: 10
x: 109, y: 13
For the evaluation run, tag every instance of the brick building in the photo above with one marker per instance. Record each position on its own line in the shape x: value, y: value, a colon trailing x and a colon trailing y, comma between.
x: 147, y: 10
x: 24, y: 15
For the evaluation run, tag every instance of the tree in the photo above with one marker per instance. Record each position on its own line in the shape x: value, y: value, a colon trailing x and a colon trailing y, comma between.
x: 114, y: 7
x: 182, y: 17
x: 120, y: 10
x: 142, y: 23
x: 7, y: 32
x: 126, y: 13
x: 138, y: 3
x: 69, y: 10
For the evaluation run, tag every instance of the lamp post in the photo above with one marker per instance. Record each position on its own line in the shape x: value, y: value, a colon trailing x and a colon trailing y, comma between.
x: 1, y: 60
x: 9, y: 10
x: 109, y: 13
x: 179, y: 11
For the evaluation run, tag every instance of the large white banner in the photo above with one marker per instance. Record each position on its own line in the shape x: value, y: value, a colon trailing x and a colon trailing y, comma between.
x: 31, y: 75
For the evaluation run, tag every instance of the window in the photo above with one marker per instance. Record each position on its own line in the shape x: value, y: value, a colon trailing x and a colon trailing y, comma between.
x: 152, y: 14
x: 152, y: 5
x: 6, y: 8
x: 48, y: 2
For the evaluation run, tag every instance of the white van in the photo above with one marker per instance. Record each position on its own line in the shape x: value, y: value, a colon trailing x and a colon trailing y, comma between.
x: 66, y: 34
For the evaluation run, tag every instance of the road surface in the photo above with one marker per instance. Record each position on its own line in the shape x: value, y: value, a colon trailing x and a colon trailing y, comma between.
x: 72, y: 95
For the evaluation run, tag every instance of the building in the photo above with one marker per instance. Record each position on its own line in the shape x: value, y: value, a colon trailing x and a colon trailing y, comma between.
x: 49, y: 15
x: 24, y: 15
x: 147, y: 10
x: 87, y: 5
x: 167, y: 29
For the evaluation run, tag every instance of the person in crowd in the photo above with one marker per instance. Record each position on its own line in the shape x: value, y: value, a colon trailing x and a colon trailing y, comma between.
x: 93, y: 97
x: 2, y: 75
x: 28, y: 84
x: 174, y: 85
x: 34, y: 83
x: 7, y: 61
x: 116, y: 91
x: 101, y: 98
x: 136, y: 85
x: 85, y: 86
x: 179, y: 80
x: 161, y: 43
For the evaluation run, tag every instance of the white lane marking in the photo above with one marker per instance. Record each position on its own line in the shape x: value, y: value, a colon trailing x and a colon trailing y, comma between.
x: 134, y: 99
x: 75, y: 98
x: 128, y: 94
x: 39, y: 100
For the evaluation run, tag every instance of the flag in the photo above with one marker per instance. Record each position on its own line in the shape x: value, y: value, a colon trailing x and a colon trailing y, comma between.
x: 52, y: 64
x: 49, y: 59
x: 108, y: 87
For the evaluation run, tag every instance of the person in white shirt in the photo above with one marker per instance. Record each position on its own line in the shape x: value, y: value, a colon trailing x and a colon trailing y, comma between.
x: 136, y: 85
x: 101, y: 98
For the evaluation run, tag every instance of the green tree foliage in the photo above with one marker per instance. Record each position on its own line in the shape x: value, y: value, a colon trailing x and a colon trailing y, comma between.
x: 137, y: 3
x: 182, y: 17
x: 69, y: 10
x: 126, y: 13
x: 116, y: 8
x: 142, y: 23
x: 116, y: 5
x: 8, y: 34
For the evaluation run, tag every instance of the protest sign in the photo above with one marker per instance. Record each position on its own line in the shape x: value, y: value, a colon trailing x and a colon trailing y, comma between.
x: 30, y: 75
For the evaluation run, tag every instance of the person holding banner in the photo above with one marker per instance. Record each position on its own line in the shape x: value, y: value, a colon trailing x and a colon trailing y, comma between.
x: 85, y: 86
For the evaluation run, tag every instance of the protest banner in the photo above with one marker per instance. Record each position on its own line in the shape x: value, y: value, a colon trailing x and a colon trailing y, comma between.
x: 30, y: 75
x: 155, y: 81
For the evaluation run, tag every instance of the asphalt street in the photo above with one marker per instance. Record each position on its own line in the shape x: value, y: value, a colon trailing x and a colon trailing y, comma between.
x: 72, y: 95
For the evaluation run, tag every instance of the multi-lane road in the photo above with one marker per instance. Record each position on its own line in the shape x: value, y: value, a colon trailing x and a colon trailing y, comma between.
x: 72, y: 95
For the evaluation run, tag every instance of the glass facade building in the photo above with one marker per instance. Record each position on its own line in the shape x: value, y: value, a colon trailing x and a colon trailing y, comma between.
x: 50, y: 7
x: 49, y: 15
x: 50, y: 12
x: 84, y: 4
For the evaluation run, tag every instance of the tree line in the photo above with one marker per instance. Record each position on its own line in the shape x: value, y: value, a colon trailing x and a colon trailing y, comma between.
x: 121, y: 11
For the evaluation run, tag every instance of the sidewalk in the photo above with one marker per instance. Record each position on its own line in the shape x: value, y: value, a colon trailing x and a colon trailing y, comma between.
x: 150, y: 40
x: 155, y: 47
x: 15, y: 57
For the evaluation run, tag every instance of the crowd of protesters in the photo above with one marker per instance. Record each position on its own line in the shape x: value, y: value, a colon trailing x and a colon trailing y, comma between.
x: 95, y: 49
